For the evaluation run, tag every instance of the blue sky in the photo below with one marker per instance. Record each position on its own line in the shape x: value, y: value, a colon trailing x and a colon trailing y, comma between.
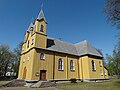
x: 71, y: 20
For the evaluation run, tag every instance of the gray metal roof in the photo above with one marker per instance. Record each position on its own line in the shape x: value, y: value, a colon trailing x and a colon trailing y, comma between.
x: 61, y: 46
x: 85, y: 48
x: 31, y: 25
x: 41, y: 15
x: 81, y: 48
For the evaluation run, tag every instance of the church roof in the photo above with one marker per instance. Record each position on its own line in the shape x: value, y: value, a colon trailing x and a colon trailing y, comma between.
x: 85, y: 47
x: 41, y: 16
x: 79, y: 49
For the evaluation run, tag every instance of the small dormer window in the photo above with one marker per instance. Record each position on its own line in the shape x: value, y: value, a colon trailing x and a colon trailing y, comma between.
x: 41, y: 28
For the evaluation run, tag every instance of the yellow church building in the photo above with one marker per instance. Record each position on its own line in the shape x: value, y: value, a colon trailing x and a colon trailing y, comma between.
x: 46, y: 58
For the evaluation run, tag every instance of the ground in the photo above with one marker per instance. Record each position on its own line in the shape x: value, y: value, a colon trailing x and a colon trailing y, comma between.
x: 113, y: 84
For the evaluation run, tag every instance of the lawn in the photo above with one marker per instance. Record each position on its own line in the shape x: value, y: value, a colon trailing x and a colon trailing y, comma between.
x: 113, y: 84
x: 3, y: 82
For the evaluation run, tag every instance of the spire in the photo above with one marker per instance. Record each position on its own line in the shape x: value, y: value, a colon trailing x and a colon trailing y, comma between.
x: 41, y: 14
x: 31, y: 25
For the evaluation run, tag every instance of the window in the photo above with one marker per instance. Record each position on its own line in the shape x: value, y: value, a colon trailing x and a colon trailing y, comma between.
x: 28, y: 43
x: 100, y: 63
x: 101, y: 73
x: 105, y: 73
x: 72, y: 65
x: 42, y: 56
x: 32, y: 41
x: 41, y: 28
x: 93, y: 66
x: 31, y: 30
x: 60, y: 64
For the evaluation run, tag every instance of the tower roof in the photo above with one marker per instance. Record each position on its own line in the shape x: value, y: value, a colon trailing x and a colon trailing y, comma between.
x: 41, y: 15
x: 31, y: 25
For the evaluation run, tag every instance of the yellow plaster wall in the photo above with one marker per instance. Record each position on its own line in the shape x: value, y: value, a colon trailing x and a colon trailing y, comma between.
x: 96, y: 74
x: 37, y: 25
x: 40, y: 40
x: 60, y: 74
x: 106, y: 76
x: 84, y: 67
x: 73, y: 73
x: 26, y: 61
x: 46, y: 64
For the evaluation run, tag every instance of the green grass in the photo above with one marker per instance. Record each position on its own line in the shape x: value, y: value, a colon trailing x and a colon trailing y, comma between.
x: 113, y: 84
x: 3, y: 82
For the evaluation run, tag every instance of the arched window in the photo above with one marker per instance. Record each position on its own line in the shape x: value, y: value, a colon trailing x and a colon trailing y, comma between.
x: 93, y: 66
x: 72, y: 65
x: 31, y: 30
x: 105, y: 73
x: 60, y: 64
x: 42, y: 56
x: 28, y: 43
x: 41, y: 28
x: 101, y: 73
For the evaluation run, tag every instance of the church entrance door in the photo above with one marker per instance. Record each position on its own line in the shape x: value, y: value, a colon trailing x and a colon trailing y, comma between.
x: 42, y: 75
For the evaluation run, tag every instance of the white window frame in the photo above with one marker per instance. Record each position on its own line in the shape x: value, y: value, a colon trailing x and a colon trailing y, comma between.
x: 72, y: 65
x: 42, y: 57
x: 60, y: 64
x: 105, y: 73
x: 101, y: 72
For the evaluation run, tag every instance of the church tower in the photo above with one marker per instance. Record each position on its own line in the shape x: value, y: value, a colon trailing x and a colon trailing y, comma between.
x: 35, y: 37
x: 40, y: 29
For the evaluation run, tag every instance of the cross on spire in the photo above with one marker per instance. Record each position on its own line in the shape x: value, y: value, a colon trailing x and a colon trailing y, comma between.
x: 41, y: 14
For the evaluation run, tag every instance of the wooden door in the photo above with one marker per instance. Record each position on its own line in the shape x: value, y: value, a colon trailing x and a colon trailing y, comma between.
x: 43, y: 75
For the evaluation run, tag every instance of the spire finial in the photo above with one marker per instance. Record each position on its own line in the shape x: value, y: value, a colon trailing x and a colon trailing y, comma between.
x: 41, y: 6
x: 41, y: 14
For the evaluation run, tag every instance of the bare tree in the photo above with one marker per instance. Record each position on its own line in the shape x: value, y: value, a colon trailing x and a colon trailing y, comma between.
x: 112, y: 11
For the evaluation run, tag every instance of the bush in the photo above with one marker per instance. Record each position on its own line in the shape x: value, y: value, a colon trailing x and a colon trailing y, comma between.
x: 73, y: 80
